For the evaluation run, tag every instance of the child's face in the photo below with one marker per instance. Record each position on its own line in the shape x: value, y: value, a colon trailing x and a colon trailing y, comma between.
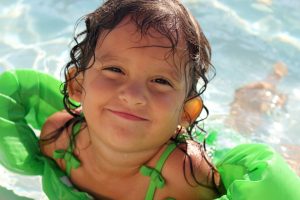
x: 133, y: 95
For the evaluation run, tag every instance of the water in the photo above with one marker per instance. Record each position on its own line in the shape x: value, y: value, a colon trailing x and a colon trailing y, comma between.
x: 247, y: 38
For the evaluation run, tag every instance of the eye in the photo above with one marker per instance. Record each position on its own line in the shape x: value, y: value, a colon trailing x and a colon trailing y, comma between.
x: 114, y: 69
x: 162, y: 81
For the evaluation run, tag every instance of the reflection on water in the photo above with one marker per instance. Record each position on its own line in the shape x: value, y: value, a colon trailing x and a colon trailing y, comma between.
x: 291, y: 154
x: 247, y: 38
x: 16, y: 186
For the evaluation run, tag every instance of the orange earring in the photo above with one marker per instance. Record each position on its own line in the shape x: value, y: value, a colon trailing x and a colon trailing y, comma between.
x: 192, y: 110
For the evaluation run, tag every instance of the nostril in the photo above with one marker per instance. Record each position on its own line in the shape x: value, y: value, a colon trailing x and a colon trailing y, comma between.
x: 132, y: 96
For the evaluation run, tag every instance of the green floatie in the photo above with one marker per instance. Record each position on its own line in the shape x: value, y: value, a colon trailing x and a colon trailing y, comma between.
x: 257, y: 172
x: 27, y: 98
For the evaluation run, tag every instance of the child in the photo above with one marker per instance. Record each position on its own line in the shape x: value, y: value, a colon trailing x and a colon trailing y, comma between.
x: 134, y: 71
x: 252, y: 102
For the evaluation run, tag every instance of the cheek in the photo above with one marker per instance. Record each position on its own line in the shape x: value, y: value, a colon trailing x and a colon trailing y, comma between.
x: 99, y: 85
x: 169, y: 107
x: 95, y: 90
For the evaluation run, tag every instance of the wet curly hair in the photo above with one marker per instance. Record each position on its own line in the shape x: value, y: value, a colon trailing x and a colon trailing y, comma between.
x: 169, y: 18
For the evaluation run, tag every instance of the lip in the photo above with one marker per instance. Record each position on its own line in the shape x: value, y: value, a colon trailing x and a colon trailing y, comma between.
x: 128, y: 116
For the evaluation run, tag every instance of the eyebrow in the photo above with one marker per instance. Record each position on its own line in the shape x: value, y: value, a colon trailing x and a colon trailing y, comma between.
x: 175, y: 75
x: 108, y: 56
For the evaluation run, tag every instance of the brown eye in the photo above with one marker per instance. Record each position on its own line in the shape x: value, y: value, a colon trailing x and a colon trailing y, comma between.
x: 114, y: 69
x: 162, y: 81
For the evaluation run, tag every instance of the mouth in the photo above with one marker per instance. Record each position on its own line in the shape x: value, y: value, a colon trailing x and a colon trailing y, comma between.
x: 127, y: 116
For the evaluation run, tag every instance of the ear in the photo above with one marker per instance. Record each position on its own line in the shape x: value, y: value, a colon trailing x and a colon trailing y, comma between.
x: 74, y: 84
x: 191, y: 111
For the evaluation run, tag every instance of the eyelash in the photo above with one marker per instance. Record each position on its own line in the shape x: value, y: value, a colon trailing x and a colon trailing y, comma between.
x: 160, y: 81
x: 114, y: 69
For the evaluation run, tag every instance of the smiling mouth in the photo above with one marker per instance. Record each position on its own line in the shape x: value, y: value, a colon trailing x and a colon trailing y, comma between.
x: 127, y: 116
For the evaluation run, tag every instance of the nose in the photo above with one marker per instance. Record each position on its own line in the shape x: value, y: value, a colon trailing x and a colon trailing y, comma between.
x: 133, y: 94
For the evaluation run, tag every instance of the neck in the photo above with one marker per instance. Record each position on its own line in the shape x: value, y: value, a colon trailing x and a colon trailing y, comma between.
x: 109, y: 162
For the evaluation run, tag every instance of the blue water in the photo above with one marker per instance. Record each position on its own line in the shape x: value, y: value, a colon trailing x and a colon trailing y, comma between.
x: 247, y: 38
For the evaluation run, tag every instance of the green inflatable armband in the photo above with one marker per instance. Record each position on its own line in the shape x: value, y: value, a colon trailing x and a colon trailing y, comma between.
x: 257, y: 172
x: 28, y: 98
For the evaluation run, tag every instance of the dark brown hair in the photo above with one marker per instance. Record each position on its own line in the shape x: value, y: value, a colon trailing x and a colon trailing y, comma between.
x: 169, y: 18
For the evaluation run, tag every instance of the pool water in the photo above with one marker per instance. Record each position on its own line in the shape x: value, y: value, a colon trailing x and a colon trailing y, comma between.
x: 247, y: 39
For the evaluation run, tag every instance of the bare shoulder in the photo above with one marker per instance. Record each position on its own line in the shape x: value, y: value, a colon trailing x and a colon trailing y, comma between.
x: 190, y: 172
x: 49, y: 142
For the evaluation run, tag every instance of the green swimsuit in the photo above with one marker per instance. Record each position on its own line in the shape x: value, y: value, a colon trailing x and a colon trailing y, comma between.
x: 156, y: 179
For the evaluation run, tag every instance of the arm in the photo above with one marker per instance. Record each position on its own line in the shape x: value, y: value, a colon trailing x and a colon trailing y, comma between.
x: 51, y: 127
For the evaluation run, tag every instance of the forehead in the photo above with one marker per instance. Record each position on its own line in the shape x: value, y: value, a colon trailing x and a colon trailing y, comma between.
x: 126, y: 36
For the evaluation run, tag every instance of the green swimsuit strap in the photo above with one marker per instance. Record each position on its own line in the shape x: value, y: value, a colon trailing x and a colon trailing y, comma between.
x: 157, y: 180
x: 67, y: 154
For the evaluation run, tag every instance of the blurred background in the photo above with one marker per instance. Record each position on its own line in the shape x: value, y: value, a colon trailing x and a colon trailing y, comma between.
x: 255, y: 50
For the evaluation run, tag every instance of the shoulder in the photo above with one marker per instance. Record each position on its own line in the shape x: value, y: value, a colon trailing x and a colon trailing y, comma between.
x: 190, y: 172
x: 51, y: 138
